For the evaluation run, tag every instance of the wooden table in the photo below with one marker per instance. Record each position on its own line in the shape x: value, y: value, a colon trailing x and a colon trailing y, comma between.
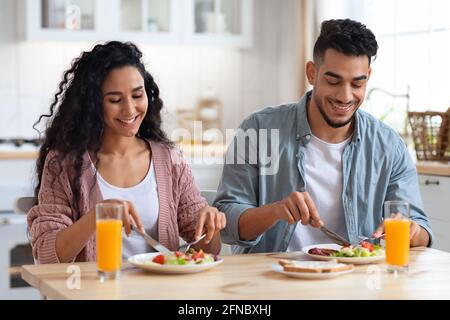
x: 250, y: 277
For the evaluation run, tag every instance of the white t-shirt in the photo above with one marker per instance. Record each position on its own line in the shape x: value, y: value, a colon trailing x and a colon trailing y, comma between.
x: 323, y: 176
x: 144, y: 196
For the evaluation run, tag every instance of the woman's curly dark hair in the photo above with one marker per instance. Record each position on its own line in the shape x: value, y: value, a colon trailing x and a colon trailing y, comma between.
x: 76, y: 113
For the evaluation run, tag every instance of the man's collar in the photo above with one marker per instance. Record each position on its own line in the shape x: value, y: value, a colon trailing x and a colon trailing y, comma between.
x: 304, y: 133
x: 303, y: 129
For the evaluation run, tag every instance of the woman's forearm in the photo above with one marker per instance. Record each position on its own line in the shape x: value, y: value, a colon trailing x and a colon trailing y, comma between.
x: 71, y: 240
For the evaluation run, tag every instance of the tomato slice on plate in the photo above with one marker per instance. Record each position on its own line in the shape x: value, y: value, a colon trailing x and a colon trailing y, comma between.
x: 367, y: 245
x: 159, y: 259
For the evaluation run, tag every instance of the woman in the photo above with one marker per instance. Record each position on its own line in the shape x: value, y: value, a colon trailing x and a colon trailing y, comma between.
x: 104, y: 143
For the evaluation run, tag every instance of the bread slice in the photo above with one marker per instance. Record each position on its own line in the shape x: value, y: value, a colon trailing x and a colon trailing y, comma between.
x: 314, y: 266
x: 284, y: 262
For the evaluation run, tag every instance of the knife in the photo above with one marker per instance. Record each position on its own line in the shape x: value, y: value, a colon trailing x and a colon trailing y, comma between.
x: 335, y: 237
x: 332, y: 235
x: 151, y: 242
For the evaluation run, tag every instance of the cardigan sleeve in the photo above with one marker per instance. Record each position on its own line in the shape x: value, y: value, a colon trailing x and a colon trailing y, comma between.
x: 189, y: 198
x: 52, y: 213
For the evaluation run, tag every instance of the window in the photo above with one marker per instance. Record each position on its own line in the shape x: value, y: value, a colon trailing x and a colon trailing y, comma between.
x: 414, y: 52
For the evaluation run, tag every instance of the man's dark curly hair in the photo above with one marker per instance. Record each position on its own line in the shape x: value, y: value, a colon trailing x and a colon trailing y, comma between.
x: 75, y: 123
x: 345, y: 36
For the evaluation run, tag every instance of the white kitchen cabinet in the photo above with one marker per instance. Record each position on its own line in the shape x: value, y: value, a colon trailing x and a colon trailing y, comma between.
x: 227, y: 22
x: 209, y: 22
x: 17, y: 177
x: 61, y: 20
x: 149, y: 21
x: 97, y: 20
x: 207, y: 176
x: 435, y: 191
x: 13, y: 232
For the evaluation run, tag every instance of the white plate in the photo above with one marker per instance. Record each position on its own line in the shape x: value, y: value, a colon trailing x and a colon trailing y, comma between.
x: 309, y: 275
x: 353, y: 260
x: 138, y: 261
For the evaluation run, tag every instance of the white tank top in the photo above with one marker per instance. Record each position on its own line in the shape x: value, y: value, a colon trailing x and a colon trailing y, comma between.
x: 144, y: 196
x: 323, y: 176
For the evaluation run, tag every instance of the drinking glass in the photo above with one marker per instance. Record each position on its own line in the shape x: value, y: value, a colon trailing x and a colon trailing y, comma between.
x: 109, y: 239
x: 396, y: 226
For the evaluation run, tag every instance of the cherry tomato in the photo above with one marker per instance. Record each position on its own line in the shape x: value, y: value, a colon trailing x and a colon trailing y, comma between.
x: 367, y: 245
x: 159, y: 259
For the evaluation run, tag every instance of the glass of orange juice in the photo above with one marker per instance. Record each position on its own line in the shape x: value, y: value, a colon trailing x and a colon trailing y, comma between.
x: 396, y: 227
x: 109, y: 239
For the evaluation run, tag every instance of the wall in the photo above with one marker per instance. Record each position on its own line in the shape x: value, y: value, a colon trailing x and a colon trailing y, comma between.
x: 245, y: 79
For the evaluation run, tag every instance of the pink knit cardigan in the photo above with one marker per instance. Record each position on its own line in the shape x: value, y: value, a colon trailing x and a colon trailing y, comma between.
x: 179, y: 202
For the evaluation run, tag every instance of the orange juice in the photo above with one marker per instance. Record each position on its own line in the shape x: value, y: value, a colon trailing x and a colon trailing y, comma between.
x: 397, y: 241
x: 109, y: 244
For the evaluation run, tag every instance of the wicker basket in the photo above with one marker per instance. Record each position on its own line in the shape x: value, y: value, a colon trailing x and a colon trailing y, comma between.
x: 431, y: 134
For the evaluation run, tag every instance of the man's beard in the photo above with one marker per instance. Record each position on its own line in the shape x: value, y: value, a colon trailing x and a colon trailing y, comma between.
x: 327, y: 119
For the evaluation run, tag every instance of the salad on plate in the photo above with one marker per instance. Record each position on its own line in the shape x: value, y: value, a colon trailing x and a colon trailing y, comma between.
x: 188, y: 258
x: 362, y: 253
x: 364, y: 249
x: 176, y: 262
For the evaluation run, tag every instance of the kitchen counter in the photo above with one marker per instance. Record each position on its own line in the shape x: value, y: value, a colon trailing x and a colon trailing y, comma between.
x: 189, y: 151
x: 25, y: 152
x: 433, y: 168
x: 218, y: 150
x: 18, y: 155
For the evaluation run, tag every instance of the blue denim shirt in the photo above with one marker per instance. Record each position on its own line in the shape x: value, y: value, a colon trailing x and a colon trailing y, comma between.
x: 376, y: 167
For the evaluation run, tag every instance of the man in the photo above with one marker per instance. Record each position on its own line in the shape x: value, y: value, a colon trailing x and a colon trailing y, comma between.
x: 336, y: 164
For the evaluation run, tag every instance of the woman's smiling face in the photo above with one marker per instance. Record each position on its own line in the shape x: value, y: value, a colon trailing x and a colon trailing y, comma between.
x: 125, y: 101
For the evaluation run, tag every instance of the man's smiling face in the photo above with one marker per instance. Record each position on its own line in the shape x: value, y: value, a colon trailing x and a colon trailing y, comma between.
x: 340, y: 83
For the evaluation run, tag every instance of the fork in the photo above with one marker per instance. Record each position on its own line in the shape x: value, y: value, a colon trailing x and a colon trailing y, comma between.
x: 362, y: 238
x: 185, y: 247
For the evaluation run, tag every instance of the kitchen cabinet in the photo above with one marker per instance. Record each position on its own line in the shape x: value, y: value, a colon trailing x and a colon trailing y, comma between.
x: 61, y: 20
x: 148, y: 20
x: 435, y: 191
x: 17, y: 178
x: 13, y: 236
x: 227, y: 22
x: 98, y: 20
x: 206, y: 163
x: 208, y: 22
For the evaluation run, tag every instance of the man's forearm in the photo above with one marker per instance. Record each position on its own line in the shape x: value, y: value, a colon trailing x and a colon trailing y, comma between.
x: 421, y: 239
x: 256, y: 221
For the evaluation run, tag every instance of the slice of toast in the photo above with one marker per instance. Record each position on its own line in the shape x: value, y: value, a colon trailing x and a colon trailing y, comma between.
x: 284, y: 262
x: 314, y: 266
